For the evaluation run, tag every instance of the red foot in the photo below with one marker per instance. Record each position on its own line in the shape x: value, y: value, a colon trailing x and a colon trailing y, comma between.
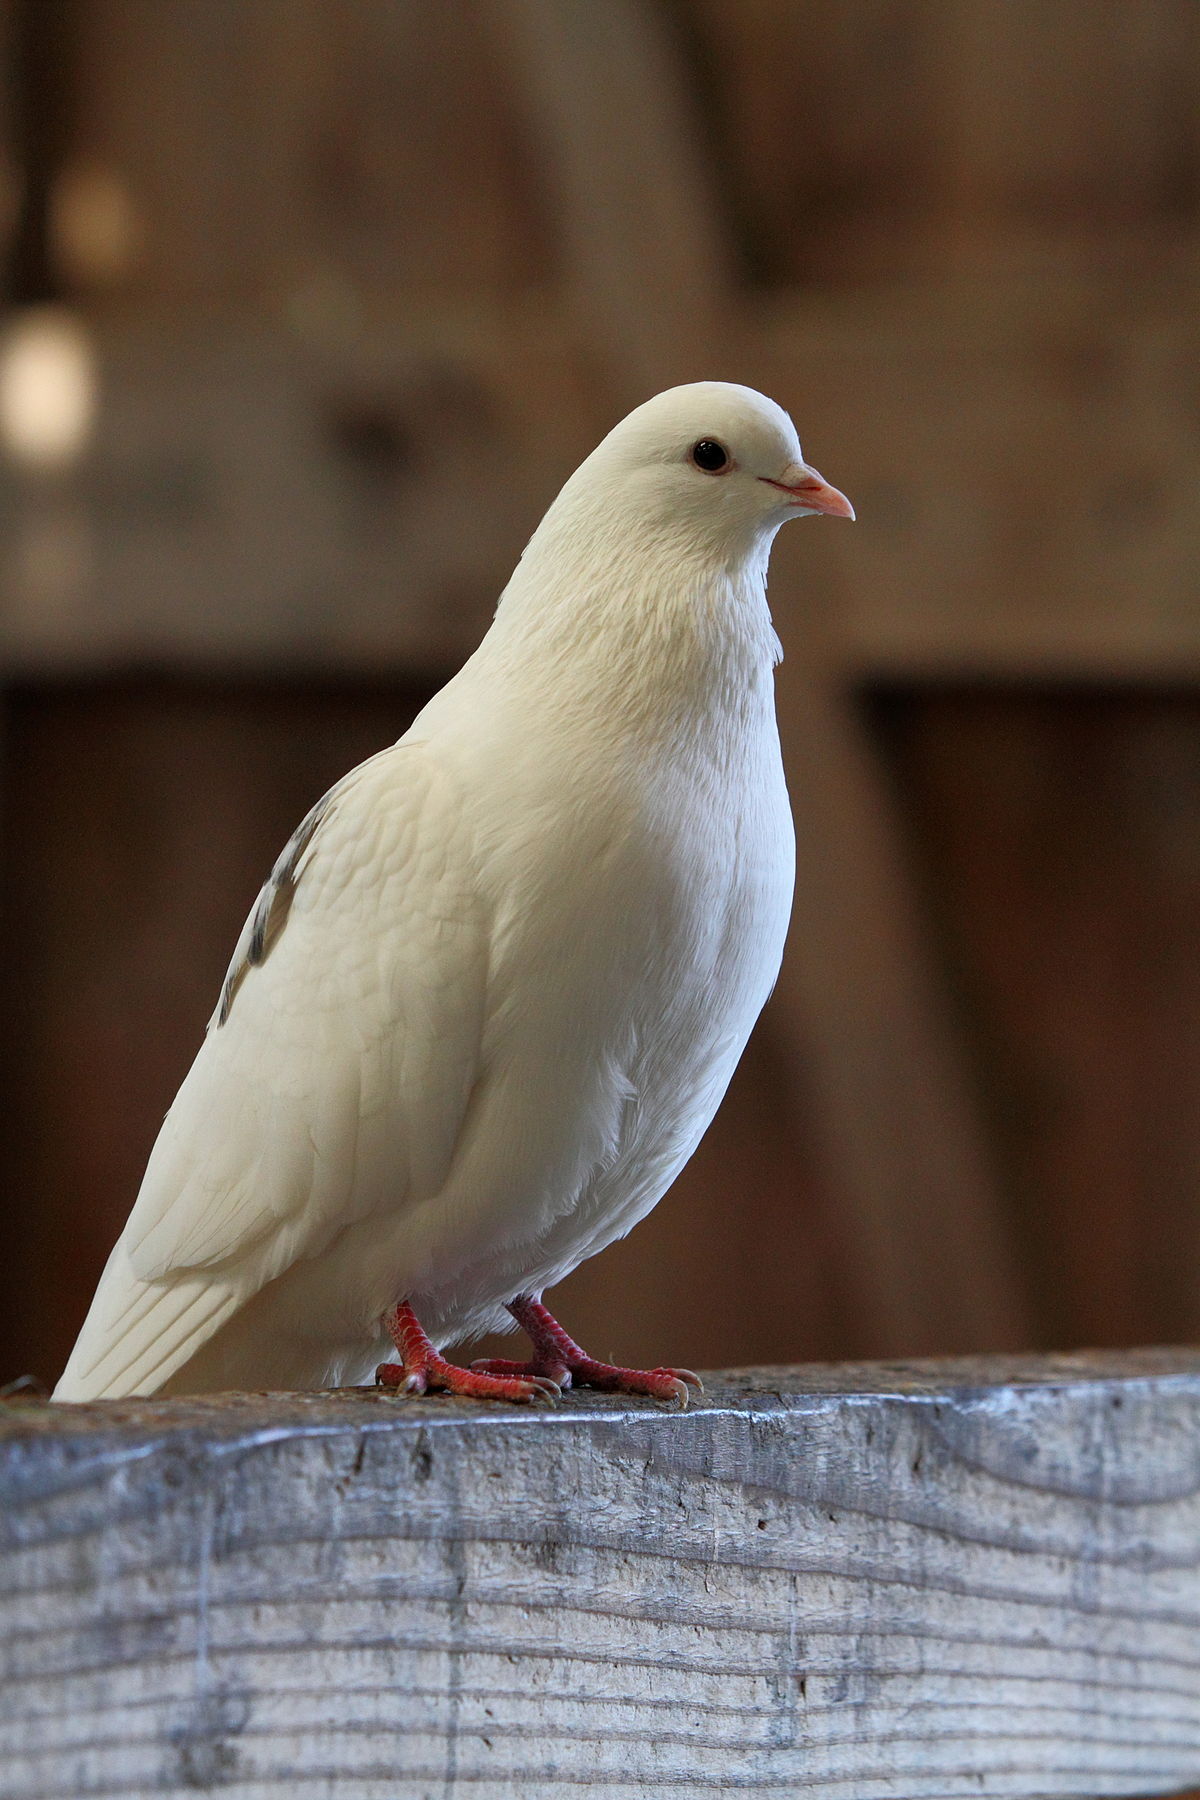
x: 558, y: 1358
x: 422, y: 1368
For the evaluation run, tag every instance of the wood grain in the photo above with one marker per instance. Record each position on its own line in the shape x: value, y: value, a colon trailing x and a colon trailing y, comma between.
x: 863, y: 1583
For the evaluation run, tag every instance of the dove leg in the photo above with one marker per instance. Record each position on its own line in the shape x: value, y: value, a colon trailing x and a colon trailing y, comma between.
x: 558, y: 1358
x: 422, y: 1368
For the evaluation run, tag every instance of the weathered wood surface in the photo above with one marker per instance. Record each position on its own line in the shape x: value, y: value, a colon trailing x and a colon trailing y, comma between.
x: 861, y: 1582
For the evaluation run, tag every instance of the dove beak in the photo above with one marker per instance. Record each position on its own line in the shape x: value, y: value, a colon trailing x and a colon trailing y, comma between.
x: 805, y: 488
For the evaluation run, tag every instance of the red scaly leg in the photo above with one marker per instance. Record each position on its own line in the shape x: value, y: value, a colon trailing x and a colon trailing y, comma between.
x: 558, y: 1358
x: 421, y: 1367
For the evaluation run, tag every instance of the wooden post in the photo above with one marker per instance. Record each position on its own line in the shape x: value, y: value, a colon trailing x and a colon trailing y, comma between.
x: 965, y: 1578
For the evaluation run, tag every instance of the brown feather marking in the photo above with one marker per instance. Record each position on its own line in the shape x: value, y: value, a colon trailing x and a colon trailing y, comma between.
x: 273, y: 905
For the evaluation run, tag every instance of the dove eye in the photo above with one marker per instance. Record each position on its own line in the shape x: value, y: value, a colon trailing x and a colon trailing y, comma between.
x: 710, y: 456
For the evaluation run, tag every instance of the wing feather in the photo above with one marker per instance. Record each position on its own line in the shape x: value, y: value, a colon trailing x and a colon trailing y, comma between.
x: 334, y: 1076
x: 268, y: 915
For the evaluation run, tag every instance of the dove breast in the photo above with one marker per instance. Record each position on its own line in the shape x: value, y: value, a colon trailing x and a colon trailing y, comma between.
x: 636, y: 928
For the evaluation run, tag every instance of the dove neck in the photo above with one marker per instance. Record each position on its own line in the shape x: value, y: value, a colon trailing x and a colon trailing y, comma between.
x: 662, y: 636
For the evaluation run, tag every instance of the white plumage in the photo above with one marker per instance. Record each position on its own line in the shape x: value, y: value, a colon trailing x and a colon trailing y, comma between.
x: 497, y: 983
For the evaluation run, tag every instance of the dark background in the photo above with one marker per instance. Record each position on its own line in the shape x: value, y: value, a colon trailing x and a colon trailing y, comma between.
x: 358, y: 282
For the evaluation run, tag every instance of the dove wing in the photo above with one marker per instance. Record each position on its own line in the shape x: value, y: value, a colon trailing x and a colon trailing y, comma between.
x: 333, y: 1079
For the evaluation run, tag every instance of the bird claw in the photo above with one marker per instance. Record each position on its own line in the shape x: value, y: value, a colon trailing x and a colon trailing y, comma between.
x: 401, y: 1380
x: 657, y: 1384
x: 545, y: 1389
x: 447, y: 1378
x: 685, y: 1375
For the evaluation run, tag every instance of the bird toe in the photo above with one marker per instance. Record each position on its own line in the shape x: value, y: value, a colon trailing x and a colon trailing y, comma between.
x: 686, y: 1375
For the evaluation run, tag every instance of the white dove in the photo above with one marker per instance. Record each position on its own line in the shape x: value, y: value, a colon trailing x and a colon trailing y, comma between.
x: 496, y: 985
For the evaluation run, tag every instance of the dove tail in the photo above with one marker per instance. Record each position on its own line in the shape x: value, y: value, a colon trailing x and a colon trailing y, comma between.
x: 139, y: 1333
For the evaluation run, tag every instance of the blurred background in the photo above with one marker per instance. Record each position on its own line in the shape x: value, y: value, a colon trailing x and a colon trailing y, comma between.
x: 309, y: 308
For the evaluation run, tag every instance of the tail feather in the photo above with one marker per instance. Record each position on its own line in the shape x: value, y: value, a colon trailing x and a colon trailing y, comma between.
x: 138, y: 1334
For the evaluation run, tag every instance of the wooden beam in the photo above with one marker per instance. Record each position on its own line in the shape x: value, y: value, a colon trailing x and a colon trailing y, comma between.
x: 862, y: 1583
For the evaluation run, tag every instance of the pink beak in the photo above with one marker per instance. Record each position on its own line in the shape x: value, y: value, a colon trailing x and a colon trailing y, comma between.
x: 811, y: 491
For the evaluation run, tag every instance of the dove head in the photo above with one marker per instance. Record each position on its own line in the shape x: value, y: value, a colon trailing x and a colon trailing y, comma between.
x: 711, y: 464
x: 660, y: 539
